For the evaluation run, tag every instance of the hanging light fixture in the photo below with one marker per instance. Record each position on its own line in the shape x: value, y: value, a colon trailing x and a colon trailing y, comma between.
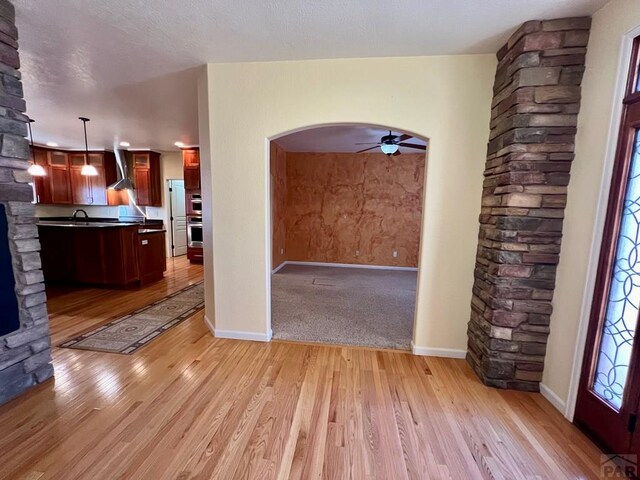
x: 87, y: 170
x: 34, y: 169
x: 389, y: 144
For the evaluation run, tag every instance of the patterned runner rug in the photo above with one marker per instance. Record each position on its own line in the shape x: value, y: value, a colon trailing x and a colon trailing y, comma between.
x: 131, y: 332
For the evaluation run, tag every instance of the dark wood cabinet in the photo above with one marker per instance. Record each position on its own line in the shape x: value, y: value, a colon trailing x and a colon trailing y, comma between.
x: 191, y: 166
x: 118, y: 256
x: 88, y: 190
x: 146, y: 178
x: 192, y: 185
x: 152, y: 256
x: 191, y: 179
x: 42, y: 184
x: 64, y: 183
x: 195, y: 254
x: 59, y: 178
x: 142, y: 183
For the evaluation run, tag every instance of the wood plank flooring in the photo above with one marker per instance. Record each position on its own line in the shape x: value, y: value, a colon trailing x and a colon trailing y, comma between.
x: 188, y: 406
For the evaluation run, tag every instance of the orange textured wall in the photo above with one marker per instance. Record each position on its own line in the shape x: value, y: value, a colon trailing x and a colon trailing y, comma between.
x: 278, y: 168
x: 354, y: 208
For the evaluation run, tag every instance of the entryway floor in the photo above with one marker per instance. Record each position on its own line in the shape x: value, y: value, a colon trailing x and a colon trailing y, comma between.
x: 348, y: 306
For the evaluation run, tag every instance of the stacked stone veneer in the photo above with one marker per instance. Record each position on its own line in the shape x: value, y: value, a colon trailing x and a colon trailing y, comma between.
x: 25, y: 354
x: 533, y: 124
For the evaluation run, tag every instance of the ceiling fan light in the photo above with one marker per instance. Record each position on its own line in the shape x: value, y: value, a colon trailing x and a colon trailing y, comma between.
x: 389, y: 148
x: 89, y: 171
x: 36, y: 170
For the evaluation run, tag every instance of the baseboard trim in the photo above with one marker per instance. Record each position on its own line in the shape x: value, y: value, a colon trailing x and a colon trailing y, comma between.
x: 275, y: 270
x: 345, y: 265
x: 209, y: 325
x: 553, y: 398
x: 437, y: 352
x: 238, y: 335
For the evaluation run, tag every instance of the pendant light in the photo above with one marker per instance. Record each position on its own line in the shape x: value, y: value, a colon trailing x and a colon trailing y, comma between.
x: 87, y: 170
x: 34, y: 169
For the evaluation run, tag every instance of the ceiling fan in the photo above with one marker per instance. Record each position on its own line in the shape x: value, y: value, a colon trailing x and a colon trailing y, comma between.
x: 390, y: 144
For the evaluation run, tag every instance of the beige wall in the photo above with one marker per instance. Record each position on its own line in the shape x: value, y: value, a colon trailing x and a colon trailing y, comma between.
x: 446, y: 99
x: 594, y: 143
x: 354, y: 208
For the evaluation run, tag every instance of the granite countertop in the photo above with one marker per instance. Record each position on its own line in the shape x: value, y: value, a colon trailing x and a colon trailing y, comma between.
x: 96, y: 222
x: 45, y: 223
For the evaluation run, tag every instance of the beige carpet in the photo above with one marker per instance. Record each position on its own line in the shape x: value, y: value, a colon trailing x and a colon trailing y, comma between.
x: 350, y: 306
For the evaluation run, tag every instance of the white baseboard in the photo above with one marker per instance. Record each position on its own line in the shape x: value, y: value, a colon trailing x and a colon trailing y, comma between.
x: 553, y: 398
x: 209, y: 325
x: 279, y: 267
x: 345, y: 265
x: 238, y: 335
x: 438, y: 352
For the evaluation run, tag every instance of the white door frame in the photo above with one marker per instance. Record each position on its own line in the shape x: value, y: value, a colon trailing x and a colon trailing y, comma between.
x: 268, y: 223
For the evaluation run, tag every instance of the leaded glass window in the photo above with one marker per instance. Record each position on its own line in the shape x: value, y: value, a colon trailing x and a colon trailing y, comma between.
x: 623, y: 302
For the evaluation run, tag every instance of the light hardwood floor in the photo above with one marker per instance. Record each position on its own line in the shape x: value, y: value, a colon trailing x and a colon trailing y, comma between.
x: 191, y: 406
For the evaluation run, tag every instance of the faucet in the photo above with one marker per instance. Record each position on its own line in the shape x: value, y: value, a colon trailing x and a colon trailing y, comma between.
x: 75, y: 214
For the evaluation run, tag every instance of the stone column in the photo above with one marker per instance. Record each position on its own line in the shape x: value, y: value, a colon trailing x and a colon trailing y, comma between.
x: 531, y: 144
x: 25, y: 354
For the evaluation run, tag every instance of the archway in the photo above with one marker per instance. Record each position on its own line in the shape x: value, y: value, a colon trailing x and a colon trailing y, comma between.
x: 349, y: 206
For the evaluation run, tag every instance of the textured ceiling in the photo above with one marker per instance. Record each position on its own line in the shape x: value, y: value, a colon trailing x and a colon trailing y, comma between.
x: 339, y: 139
x: 130, y: 64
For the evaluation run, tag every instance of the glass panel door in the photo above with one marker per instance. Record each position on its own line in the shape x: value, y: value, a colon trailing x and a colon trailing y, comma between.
x: 623, y: 302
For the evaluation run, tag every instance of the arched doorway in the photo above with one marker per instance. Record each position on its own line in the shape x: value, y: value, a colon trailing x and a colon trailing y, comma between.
x: 345, y: 230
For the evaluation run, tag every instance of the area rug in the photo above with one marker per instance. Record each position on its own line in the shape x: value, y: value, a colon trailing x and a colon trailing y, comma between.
x: 133, y: 331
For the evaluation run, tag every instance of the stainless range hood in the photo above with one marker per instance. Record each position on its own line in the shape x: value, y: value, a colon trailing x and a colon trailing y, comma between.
x: 123, y: 160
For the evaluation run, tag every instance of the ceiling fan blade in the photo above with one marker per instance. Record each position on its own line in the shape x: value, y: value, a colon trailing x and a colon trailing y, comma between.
x: 398, y: 152
x: 413, y: 145
x: 367, y: 149
x: 403, y: 137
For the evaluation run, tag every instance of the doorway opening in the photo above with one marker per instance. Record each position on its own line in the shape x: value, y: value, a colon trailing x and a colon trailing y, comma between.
x: 346, y: 220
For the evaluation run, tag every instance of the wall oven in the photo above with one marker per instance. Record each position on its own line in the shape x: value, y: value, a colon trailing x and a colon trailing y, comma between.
x: 194, y: 231
x: 195, y: 203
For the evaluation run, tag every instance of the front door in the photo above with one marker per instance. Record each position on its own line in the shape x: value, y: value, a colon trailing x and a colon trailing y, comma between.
x: 178, y: 218
x: 607, y: 404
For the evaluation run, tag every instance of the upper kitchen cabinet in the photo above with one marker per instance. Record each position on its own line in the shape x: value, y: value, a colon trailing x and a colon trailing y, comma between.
x: 59, y: 179
x: 42, y: 184
x: 88, y: 190
x: 191, y: 164
x: 147, y: 181
x: 64, y: 184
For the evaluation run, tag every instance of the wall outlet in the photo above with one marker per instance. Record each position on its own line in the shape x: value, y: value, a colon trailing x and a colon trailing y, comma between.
x: 395, y: 254
x: 357, y: 252
x: 282, y: 251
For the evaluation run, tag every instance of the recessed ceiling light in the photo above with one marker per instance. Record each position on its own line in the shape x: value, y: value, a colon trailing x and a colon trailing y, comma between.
x: 179, y: 144
x: 125, y: 144
x: 52, y: 144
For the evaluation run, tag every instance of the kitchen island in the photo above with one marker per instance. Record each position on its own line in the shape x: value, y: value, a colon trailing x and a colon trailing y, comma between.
x: 101, y: 253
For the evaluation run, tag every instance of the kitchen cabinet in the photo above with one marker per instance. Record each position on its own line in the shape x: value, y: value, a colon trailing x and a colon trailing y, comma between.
x: 59, y: 179
x: 113, y: 256
x: 152, y: 255
x: 88, y: 190
x: 146, y: 178
x: 42, y: 184
x: 64, y: 183
x: 191, y: 167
